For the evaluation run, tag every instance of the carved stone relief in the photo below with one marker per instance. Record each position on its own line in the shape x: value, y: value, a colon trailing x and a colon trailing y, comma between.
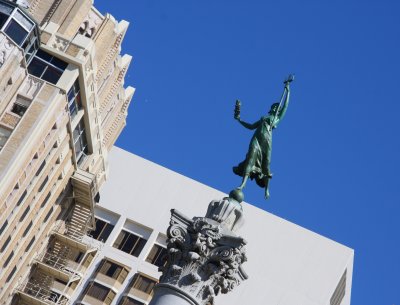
x: 90, y: 24
x: 5, y: 50
x: 59, y: 43
x: 31, y: 87
x: 204, y: 255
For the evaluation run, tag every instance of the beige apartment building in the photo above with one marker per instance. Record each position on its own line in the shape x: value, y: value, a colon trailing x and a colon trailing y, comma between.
x: 62, y: 106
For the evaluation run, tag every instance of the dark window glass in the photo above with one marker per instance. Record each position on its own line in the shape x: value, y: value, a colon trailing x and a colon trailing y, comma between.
x: 27, y: 229
x: 3, y: 227
x: 30, y: 244
x: 44, y: 55
x: 43, y: 184
x: 47, y: 67
x: 157, y: 256
x: 16, y: 32
x: 45, y: 200
x: 8, y: 259
x: 6, y: 244
x: 40, y: 167
x: 19, y: 109
x: 97, y: 291
x: 25, y: 213
x: 22, y: 198
x: 80, y: 141
x: 36, y: 67
x: 72, y: 109
x: 78, y: 257
x: 74, y: 99
x: 10, y: 276
x: 51, y: 59
x: 102, y: 231
x: 144, y: 284
x: 3, y: 19
x: 130, y: 243
x: 48, y: 215
x: 112, y: 269
x: 52, y: 74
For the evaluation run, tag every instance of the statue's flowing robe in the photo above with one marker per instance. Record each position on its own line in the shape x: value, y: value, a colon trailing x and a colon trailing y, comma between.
x: 258, y: 158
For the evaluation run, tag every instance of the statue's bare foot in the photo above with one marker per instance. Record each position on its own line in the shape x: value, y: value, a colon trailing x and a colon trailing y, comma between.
x: 266, y: 195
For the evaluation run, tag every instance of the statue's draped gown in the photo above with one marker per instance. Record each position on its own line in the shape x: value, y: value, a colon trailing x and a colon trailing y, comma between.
x: 258, y: 157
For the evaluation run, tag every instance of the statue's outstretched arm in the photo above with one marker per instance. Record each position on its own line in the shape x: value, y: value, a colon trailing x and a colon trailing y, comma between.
x: 282, y: 111
x: 248, y: 125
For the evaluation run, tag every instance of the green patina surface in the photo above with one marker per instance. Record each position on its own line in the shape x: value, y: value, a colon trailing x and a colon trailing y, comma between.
x: 258, y: 158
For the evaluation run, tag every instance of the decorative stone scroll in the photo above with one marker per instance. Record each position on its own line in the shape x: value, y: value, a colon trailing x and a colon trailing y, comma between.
x: 5, y: 49
x: 205, y: 256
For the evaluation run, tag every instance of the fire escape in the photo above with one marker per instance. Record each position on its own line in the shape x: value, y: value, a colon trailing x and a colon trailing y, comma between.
x: 57, y: 272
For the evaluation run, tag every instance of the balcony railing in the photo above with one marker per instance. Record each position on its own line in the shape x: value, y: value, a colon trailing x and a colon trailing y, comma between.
x: 34, y: 293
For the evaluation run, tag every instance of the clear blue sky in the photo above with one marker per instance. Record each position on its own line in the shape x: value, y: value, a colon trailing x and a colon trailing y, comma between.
x: 336, y: 154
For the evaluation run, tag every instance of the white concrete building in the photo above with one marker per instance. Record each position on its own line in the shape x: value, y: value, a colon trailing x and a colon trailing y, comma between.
x: 287, y: 264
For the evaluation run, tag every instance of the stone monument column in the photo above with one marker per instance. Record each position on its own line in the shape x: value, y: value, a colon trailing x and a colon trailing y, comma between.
x: 205, y: 256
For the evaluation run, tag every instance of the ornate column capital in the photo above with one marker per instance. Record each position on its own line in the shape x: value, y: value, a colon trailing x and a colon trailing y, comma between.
x: 205, y: 256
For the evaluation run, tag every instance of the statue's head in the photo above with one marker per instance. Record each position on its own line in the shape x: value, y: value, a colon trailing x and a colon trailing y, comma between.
x: 274, y: 108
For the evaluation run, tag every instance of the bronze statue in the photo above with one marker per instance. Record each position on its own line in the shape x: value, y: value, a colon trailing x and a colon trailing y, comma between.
x: 258, y: 158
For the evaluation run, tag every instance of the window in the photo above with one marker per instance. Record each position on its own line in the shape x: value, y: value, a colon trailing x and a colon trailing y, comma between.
x: 6, y: 244
x: 3, y: 227
x: 100, y: 292
x: 129, y: 301
x: 30, y: 244
x: 102, y: 231
x: 22, y: 198
x: 41, y: 187
x: 19, y: 109
x: 18, y: 27
x: 10, y: 276
x: 74, y: 99
x: 47, y: 67
x: 40, y: 168
x: 27, y: 229
x: 143, y: 284
x: 48, y: 215
x: 129, y: 243
x: 80, y: 142
x: 8, y: 259
x: 5, y: 12
x: 16, y: 32
x: 78, y: 257
x: 157, y: 256
x: 24, y: 213
x: 113, y: 270
x: 45, y: 200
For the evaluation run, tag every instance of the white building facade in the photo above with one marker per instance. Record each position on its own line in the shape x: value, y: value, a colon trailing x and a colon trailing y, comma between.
x: 287, y: 264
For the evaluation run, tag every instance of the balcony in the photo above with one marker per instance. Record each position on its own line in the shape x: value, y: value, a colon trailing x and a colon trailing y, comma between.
x: 35, y: 294
x: 85, y: 190
x: 140, y: 294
